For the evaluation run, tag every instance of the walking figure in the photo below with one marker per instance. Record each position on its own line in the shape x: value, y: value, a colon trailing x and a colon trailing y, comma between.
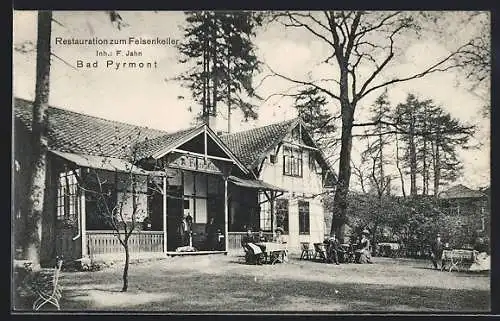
x: 437, y: 252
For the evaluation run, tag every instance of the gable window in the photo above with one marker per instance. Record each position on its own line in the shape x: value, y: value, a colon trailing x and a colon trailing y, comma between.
x: 67, y: 196
x: 282, y: 214
x: 304, y: 217
x: 292, y: 161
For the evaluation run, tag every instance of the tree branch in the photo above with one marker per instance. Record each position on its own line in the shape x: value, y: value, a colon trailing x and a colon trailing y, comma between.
x: 307, y: 83
x: 431, y: 69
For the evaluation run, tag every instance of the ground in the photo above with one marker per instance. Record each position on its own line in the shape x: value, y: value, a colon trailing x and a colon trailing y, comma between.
x: 225, y: 283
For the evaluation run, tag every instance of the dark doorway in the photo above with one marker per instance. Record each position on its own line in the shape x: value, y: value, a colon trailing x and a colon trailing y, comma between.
x: 174, y: 217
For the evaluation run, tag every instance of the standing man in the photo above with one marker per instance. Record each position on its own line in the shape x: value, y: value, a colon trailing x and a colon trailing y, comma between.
x: 211, y: 231
x: 437, y: 251
x: 332, y: 250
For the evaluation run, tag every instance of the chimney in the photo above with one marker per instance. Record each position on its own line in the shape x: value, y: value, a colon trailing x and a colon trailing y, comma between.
x: 212, y: 122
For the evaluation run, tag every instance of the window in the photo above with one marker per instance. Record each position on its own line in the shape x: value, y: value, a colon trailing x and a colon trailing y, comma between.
x: 304, y: 217
x: 265, y: 214
x: 454, y: 210
x: 67, y: 196
x: 99, y: 204
x: 282, y: 214
x: 292, y: 161
x: 313, y: 164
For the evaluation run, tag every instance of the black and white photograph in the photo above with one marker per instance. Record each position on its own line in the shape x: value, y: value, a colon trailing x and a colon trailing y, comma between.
x: 261, y: 162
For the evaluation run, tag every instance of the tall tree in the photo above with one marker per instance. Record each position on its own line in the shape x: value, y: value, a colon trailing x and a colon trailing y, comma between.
x: 432, y: 138
x: 219, y: 51
x: 408, y: 116
x: 447, y: 134
x: 375, y: 150
x: 357, y: 40
x: 39, y: 141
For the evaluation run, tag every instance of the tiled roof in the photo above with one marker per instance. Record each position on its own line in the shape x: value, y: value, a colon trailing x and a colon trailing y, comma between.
x: 250, y: 146
x: 460, y: 191
x: 84, y: 134
x: 150, y: 146
x: 79, y: 133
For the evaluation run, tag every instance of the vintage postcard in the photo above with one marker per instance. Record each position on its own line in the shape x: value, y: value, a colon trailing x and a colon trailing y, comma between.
x: 251, y: 161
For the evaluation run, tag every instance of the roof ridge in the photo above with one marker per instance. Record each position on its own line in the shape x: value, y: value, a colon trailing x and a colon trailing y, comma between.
x: 96, y: 117
x: 261, y: 127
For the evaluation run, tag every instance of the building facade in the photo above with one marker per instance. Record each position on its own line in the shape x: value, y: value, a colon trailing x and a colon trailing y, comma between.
x: 102, y: 173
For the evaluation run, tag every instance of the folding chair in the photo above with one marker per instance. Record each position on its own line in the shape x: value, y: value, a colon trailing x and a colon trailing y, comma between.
x: 307, y: 252
x: 49, y: 292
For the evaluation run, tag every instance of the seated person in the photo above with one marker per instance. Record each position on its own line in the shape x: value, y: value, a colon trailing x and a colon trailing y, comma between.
x: 248, y: 238
x: 254, y: 254
x: 261, y: 237
x: 278, y: 238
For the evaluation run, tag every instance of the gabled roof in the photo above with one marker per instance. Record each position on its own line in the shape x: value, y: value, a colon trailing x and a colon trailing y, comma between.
x: 252, y: 145
x: 460, y: 191
x: 79, y: 133
x: 149, y: 147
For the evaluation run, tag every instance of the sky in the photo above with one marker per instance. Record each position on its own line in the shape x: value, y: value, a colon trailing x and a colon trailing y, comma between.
x: 149, y: 97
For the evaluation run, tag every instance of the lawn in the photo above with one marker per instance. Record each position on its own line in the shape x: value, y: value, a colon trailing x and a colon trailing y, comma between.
x: 225, y: 283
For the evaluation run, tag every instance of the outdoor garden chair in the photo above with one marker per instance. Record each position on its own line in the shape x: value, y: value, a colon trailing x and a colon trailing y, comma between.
x: 48, y: 290
x: 307, y: 252
x: 320, y: 250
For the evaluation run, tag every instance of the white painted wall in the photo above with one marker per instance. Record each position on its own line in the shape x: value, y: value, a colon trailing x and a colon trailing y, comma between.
x: 299, y: 188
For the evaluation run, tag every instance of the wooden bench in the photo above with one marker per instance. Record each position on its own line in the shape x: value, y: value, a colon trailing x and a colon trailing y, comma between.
x: 459, y: 259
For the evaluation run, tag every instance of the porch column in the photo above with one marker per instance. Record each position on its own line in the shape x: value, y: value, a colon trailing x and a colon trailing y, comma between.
x: 83, y: 222
x: 165, y: 214
x: 273, y: 214
x: 226, y: 216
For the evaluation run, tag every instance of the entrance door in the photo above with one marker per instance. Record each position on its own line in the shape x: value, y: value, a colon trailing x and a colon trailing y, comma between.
x: 174, y: 217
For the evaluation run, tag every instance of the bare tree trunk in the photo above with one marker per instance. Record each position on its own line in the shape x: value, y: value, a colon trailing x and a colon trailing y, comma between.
x: 425, y: 167
x: 214, y: 68
x: 401, y: 176
x: 125, y: 268
x: 205, y: 84
x: 425, y: 173
x: 39, y: 141
x: 437, y: 171
x: 228, y: 91
x: 340, y: 198
x: 413, y: 158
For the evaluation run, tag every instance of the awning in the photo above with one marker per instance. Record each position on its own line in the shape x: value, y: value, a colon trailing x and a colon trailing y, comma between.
x: 100, y: 162
x: 255, y: 184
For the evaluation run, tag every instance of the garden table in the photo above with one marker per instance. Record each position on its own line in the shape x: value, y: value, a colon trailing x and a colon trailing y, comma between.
x: 270, y: 248
x: 457, y: 258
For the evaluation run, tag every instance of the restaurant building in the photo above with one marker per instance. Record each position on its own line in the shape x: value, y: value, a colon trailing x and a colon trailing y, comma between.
x: 260, y: 178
